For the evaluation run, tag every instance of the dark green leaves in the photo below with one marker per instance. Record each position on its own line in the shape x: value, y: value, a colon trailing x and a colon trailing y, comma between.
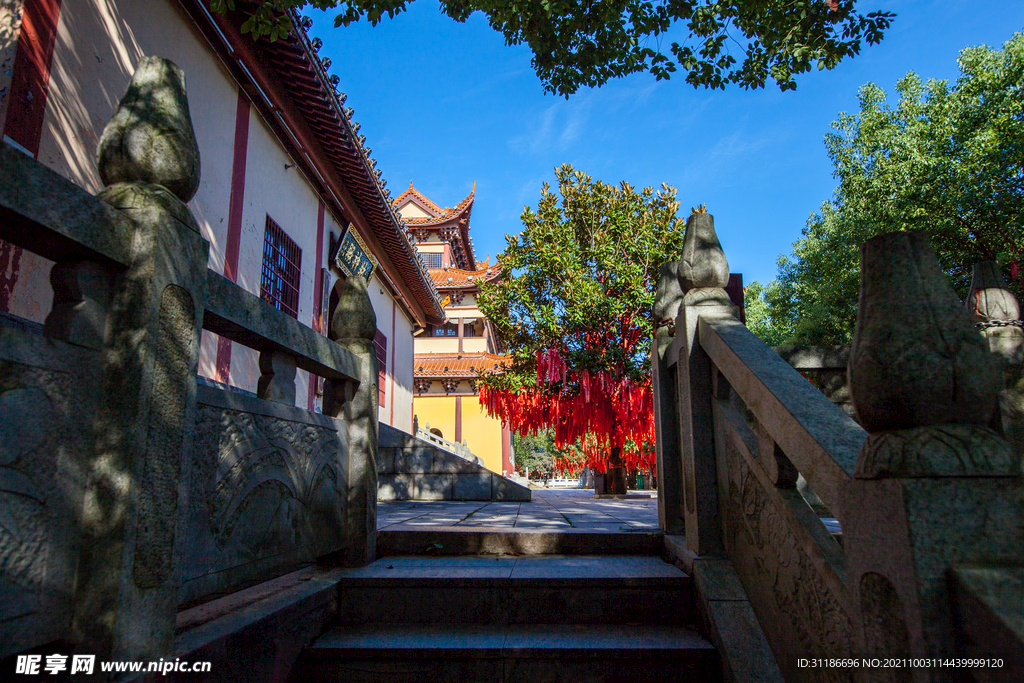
x: 584, y: 43
x: 946, y: 160
x: 586, y: 260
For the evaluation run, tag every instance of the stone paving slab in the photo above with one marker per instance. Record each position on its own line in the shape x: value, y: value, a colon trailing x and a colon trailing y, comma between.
x: 556, y: 510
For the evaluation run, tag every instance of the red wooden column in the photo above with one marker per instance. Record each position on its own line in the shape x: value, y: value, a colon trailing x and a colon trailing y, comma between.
x: 30, y: 83
x: 235, y: 206
x: 458, y: 419
x: 319, y: 324
x: 26, y: 109
x: 506, y: 450
x: 394, y: 344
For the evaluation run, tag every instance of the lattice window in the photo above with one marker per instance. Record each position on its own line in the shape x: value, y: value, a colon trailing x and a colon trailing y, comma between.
x: 282, y: 261
x: 432, y: 260
x: 446, y: 330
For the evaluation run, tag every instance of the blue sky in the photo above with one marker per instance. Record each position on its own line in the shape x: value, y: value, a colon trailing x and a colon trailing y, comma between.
x: 446, y: 104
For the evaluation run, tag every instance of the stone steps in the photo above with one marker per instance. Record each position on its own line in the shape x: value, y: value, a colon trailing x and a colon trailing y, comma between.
x: 465, y: 540
x: 533, y: 653
x: 507, y: 618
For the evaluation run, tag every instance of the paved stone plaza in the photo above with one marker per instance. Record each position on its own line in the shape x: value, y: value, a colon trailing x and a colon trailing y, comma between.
x: 551, y: 509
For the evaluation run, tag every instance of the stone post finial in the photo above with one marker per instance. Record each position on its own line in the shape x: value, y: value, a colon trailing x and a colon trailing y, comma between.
x: 989, y: 299
x: 703, y: 270
x: 353, y: 326
x: 354, y: 317
x: 150, y: 137
x: 916, y: 358
x: 935, y: 486
x: 921, y: 377
x: 669, y: 295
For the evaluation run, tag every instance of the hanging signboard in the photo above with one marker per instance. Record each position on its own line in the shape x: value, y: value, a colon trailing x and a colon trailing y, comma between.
x: 352, y: 257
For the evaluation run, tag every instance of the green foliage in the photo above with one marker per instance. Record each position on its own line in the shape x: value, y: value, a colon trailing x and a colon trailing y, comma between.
x: 948, y: 161
x: 536, y: 452
x: 586, y: 42
x: 759, y: 320
x: 581, y: 278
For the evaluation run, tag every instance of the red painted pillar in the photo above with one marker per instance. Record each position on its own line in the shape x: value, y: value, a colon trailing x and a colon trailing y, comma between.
x: 30, y: 84
x: 458, y: 419
x: 26, y: 109
x: 235, y: 206
x: 506, y: 451
x: 394, y: 344
x: 318, y: 296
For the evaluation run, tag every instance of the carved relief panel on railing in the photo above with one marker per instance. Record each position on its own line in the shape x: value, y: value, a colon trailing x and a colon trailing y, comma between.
x: 268, y: 491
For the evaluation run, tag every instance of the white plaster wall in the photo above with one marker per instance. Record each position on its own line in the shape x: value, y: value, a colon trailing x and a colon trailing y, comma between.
x: 98, y: 45
x: 284, y: 195
x: 403, y: 373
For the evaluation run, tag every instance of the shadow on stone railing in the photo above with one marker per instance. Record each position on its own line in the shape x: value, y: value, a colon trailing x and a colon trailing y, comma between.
x: 126, y: 489
x: 925, y: 486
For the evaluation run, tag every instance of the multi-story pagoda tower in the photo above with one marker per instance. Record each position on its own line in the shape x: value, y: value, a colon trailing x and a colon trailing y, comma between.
x: 450, y: 357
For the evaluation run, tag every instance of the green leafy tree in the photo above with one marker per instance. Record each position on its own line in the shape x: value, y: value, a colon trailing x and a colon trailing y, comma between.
x: 586, y: 42
x: 759, y: 319
x: 538, y: 452
x: 946, y: 160
x: 533, y: 452
x: 575, y: 312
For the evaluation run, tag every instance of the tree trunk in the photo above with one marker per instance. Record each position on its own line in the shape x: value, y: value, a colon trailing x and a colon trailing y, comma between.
x: 616, y: 473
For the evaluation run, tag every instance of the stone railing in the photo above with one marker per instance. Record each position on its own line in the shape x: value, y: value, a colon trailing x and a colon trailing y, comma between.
x: 825, y: 368
x: 459, y: 449
x: 126, y: 490
x: 924, y: 490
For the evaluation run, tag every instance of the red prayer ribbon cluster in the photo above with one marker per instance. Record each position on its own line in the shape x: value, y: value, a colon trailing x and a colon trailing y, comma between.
x: 598, y: 410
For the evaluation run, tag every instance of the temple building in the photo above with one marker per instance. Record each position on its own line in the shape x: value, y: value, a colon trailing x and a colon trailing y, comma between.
x: 290, y: 199
x: 450, y: 357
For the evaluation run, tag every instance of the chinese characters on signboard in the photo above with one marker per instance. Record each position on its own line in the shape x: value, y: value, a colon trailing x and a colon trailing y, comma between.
x: 352, y: 257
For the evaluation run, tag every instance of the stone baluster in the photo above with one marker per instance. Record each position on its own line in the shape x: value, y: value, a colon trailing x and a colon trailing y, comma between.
x: 995, y: 309
x: 354, y: 326
x: 703, y: 274
x: 935, y: 485
x: 277, y: 377
x: 81, y: 303
x: 126, y: 595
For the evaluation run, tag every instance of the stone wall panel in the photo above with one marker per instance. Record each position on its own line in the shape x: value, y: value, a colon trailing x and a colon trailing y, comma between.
x: 268, y: 495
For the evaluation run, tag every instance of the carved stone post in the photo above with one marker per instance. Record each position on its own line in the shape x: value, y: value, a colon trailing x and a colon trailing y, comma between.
x: 126, y: 595
x: 934, y: 486
x: 666, y: 415
x: 996, y: 311
x: 354, y: 326
x: 703, y: 274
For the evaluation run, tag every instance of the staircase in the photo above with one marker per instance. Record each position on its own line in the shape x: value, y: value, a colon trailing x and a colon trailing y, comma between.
x: 528, y: 619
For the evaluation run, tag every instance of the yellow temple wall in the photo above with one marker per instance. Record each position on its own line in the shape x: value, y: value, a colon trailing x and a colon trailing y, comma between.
x: 482, y: 433
x: 438, y: 412
x: 437, y: 344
